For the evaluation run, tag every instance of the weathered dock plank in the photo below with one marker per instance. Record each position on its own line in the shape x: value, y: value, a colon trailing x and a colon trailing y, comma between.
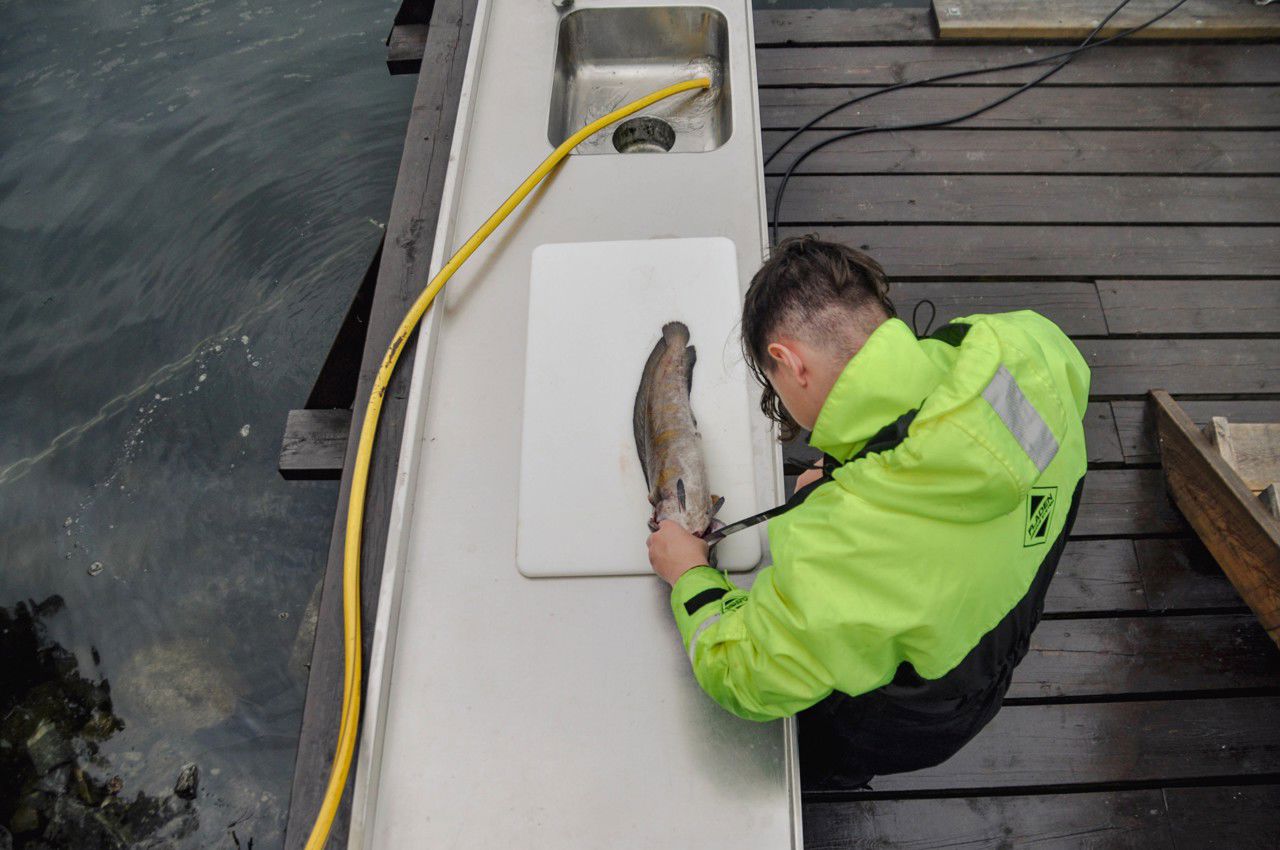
x: 1093, y: 107
x: 1115, y: 656
x: 1088, y: 744
x: 1075, y: 19
x: 1117, y: 64
x: 1061, y: 251
x: 969, y: 150
x: 1027, y: 199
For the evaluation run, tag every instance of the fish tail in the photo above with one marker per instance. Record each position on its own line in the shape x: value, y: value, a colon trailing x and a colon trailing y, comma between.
x: 676, y: 334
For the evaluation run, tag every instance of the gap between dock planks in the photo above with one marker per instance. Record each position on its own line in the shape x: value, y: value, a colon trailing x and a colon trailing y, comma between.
x: 1075, y: 19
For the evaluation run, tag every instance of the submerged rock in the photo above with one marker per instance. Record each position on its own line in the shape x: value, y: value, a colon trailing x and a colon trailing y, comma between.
x: 183, y: 685
x: 51, y: 720
x: 25, y: 819
x: 72, y: 824
x: 48, y: 748
x: 188, y: 781
x: 55, y: 781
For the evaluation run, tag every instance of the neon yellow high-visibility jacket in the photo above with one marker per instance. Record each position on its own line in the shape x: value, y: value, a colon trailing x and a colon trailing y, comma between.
x: 913, y: 554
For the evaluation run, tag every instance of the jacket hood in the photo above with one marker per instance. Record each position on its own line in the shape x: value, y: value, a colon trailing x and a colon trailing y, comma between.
x: 959, y: 461
x: 889, y: 375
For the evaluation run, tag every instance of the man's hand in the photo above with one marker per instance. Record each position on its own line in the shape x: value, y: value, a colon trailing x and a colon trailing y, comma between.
x: 673, y: 551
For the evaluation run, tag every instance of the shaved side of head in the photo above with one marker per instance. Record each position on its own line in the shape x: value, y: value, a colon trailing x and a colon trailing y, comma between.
x: 826, y: 295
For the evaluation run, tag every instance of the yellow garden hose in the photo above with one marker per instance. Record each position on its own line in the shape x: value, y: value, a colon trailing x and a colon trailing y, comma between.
x: 364, y: 452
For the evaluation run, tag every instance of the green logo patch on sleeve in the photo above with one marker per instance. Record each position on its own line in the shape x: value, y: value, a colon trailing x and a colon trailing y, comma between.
x: 1040, y: 504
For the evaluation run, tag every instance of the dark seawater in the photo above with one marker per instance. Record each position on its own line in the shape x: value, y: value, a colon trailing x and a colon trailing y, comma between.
x: 189, y: 194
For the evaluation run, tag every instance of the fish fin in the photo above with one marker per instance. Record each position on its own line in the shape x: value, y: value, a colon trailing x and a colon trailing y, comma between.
x: 639, y: 417
x: 680, y: 497
x: 690, y: 358
x: 717, y: 502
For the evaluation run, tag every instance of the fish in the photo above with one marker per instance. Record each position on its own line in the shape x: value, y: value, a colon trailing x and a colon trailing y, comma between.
x: 667, y: 437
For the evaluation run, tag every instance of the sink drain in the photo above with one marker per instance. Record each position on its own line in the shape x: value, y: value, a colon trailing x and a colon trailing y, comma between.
x: 645, y: 134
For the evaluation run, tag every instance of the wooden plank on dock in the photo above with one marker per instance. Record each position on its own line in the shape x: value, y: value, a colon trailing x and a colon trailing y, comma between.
x: 1137, y: 430
x: 1240, y: 817
x: 1027, y: 199
x: 1242, y: 536
x: 402, y: 274
x: 1116, y: 820
x: 1125, y: 502
x: 1114, y: 656
x: 1101, y: 107
x: 1191, y: 306
x: 774, y: 27
x: 1075, y: 19
x: 1079, y: 251
x: 314, y: 447
x: 1096, y: 576
x: 966, y: 150
x: 1233, y: 817
x: 1118, y: 64
x: 1092, y: 744
x: 1179, y: 574
x: 1130, y: 367
x: 1102, y: 440
x: 1157, y: 574
x: 1072, y: 304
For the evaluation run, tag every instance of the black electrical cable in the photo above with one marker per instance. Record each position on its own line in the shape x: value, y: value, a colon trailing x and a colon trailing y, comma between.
x: 975, y: 72
x: 1066, y: 56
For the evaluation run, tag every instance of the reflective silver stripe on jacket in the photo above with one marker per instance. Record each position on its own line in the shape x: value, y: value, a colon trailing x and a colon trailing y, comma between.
x: 1013, y: 408
x: 702, y: 627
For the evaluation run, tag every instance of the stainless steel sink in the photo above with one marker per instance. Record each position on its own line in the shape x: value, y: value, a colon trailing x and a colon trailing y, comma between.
x: 608, y: 57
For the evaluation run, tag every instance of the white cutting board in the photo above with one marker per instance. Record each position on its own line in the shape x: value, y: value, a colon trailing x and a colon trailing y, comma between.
x: 596, y: 309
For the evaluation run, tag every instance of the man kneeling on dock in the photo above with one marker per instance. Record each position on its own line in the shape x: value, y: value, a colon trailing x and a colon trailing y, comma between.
x: 906, y: 583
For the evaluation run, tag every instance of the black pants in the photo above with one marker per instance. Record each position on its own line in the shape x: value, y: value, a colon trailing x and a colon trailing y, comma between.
x: 845, y: 741
x: 914, y: 723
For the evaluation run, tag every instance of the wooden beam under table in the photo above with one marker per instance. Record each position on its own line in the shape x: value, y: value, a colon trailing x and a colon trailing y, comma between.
x: 314, y: 447
x: 1233, y: 524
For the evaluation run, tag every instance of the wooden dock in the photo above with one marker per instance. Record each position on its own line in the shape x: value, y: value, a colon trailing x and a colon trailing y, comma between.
x: 1135, y: 200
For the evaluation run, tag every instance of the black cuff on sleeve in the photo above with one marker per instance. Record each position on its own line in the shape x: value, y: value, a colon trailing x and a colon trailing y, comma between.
x: 704, y: 598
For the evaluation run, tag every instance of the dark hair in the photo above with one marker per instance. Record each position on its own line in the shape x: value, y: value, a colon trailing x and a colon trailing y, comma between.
x: 815, y: 289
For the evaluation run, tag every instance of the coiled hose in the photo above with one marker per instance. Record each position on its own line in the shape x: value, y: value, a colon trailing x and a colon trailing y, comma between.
x: 364, y: 452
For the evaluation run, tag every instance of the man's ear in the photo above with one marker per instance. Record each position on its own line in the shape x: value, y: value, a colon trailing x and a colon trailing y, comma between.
x: 786, y: 357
